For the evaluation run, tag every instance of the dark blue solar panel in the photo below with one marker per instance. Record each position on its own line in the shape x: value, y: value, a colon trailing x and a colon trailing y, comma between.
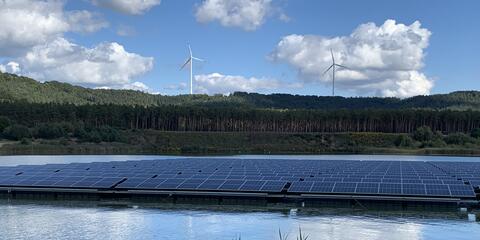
x: 390, y: 188
x: 231, y: 185
x: 252, y: 185
x: 211, y: 184
x: 437, y: 190
x: 322, y: 187
x: 461, y: 191
x: 413, y: 189
x: 367, y: 188
x: 170, y: 184
x: 273, y: 186
x: 258, y: 175
x: 67, y: 181
x: 301, y: 187
x: 344, y: 187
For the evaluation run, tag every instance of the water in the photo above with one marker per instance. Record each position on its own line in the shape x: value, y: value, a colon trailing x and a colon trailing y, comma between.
x: 29, y: 159
x: 21, y: 219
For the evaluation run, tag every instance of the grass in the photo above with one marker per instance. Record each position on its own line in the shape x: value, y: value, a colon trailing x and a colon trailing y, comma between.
x: 282, y: 236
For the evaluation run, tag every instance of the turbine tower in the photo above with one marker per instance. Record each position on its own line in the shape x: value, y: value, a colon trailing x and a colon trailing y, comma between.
x: 334, y: 68
x: 190, y: 60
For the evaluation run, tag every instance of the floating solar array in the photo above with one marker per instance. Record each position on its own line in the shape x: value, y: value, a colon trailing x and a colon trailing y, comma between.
x: 390, y: 178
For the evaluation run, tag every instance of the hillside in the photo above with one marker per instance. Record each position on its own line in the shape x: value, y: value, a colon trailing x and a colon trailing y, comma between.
x: 15, y: 88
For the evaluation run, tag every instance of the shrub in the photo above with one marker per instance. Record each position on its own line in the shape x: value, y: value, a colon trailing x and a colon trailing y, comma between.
x: 50, y: 131
x: 16, y: 132
x: 109, y: 134
x: 475, y: 133
x: 4, y: 123
x: 26, y: 141
x: 436, y: 143
x: 94, y: 136
x: 458, y: 139
x: 423, y: 134
x: 404, y: 141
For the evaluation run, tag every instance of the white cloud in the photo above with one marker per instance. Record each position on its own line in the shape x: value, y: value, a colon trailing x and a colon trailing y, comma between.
x: 138, y: 86
x: 384, y: 60
x: 32, y: 40
x: 246, y: 14
x: 217, y: 83
x: 27, y: 23
x: 132, y: 7
x: 10, y: 67
x: 107, y: 64
x: 85, y: 21
x: 176, y: 87
x: 24, y: 24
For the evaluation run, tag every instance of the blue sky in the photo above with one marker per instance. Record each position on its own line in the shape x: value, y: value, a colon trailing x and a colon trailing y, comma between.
x: 252, y: 57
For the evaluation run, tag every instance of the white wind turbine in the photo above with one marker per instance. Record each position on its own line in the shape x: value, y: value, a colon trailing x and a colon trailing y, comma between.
x: 334, y: 66
x: 190, y: 60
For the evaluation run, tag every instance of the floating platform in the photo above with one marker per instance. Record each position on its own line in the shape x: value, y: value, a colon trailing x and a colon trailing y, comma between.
x: 309, y: 182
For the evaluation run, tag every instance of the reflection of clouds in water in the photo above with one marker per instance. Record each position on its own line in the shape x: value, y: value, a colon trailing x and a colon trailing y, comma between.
x: 30, y: 221
x: 346, y: 228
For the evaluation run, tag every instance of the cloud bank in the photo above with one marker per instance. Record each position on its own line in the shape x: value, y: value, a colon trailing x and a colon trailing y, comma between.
x: 218, y: 83
x: 132, y: 7
x: 107, y: 64
x: 385, y: 60
x: 246, y: 14
x: 32, y: 42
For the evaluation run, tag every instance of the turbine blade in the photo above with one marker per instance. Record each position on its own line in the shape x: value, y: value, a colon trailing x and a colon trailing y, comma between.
x: 328, y: 69
x: 190, y: 49
x: 198, y: 59
x: 338, y: 65
x: 333, y: 59
x: 185, y: 64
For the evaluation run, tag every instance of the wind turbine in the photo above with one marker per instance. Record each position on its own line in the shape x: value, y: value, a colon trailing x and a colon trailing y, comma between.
x: 190, y: 60
x: 334, y: 66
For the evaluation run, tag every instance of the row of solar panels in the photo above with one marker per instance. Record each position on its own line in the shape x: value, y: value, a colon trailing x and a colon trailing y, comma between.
x: 370, y: 177
x: 445, y: 190
x: 33, y: 179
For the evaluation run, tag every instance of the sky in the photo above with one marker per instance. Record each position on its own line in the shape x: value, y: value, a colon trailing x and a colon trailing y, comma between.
x: 389, y: 48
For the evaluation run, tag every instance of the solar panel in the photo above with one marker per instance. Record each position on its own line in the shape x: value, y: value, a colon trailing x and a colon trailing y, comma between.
x: 367, y: 188
x: 341, y: 187
x: 300, y: 187
x: 322, y: 187
x: 231, y: 185
x: 169, y: 184
x: 461, y: 190
x: 413, y: 189
x: 211, y: 184
x: 390, y: 188
x: 252, y: 185
x: 273, y: 186
x: 437, y: 189
x: 433, y: 179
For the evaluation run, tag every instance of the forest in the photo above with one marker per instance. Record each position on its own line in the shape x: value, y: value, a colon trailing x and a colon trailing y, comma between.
x: 15, y: 88
x: 62, y: 114
x: 229, y: 119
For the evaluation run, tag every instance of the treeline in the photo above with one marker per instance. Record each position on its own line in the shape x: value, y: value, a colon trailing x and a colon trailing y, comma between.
x: 231, y: 119
x: 14, y: 88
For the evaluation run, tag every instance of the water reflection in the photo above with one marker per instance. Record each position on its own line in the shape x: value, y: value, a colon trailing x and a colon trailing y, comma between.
x: 29, y: 160
x: 85, y: 220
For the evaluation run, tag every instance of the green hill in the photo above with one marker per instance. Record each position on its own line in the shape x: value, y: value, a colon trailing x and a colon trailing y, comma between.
x: 15, y: 88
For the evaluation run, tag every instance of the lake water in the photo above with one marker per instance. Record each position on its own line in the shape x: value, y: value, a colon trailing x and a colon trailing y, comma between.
x: 20, y: 219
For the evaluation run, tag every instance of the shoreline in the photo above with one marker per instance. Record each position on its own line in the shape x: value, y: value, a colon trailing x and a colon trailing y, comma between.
x: 150, y: 142
x: 19, y: 150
